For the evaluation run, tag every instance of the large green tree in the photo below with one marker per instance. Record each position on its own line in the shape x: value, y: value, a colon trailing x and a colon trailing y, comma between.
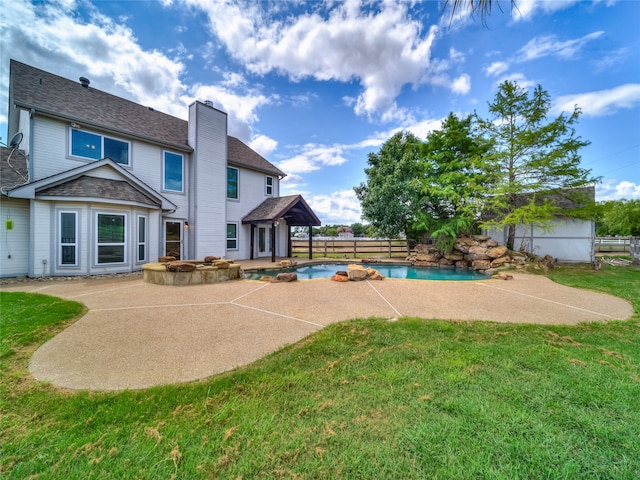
x: 455, y: 176
x: 390, y: 198
x: 620, y: 217
x: 535, y: 160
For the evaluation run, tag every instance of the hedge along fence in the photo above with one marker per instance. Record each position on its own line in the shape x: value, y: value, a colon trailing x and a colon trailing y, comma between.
x: 351, y: 248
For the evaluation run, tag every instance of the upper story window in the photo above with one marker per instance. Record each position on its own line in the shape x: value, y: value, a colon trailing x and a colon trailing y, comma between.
x: 269, y: 186
x: 232, y: 183
x: 95, y: 147
x: 173, y: 176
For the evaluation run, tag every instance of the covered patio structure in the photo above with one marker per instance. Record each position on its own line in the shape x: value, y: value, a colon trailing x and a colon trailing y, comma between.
x: 293, y: 210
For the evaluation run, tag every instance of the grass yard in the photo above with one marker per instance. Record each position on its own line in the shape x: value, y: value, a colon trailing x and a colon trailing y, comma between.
x: 360, y: 399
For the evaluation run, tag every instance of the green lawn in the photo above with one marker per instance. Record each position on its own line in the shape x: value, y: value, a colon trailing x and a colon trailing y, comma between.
x: 361, y: 399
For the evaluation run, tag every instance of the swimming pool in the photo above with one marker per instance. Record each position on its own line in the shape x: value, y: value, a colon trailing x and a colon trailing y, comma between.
x: 327, y: 270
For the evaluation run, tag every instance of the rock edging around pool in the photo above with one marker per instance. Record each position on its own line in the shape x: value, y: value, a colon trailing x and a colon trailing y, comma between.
x: 191, y: 272
x: 354, y: 273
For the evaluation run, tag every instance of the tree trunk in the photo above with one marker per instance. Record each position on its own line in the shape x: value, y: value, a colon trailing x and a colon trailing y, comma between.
x: 511, y: 237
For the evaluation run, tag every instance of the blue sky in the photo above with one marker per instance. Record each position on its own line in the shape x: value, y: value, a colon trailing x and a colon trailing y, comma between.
x: 316, y: 85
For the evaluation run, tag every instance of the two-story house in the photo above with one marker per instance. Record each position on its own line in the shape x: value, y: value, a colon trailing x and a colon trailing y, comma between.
x: 93, y: 183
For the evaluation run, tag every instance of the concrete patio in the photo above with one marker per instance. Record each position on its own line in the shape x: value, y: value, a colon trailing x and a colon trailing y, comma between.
x: 136, y: 335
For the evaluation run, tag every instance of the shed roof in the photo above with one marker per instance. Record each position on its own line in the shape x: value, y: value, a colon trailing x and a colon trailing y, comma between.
x: 293, y: 209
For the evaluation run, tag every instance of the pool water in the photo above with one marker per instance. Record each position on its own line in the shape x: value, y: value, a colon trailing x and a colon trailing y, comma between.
x: 327, y: 270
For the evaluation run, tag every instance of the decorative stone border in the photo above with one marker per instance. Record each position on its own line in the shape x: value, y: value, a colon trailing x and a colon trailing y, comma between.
x: 159, y: 274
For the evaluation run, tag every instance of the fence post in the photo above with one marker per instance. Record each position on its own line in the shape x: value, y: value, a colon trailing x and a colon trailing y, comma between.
x: 355, y: 249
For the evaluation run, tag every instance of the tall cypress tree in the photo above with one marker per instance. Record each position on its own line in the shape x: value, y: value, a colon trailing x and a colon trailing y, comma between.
x: 536, y: 160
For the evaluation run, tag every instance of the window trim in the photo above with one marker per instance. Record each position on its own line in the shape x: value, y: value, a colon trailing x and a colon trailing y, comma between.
x: 123, y: 244
x: 102, y: 155
x: 237, y: 197
x: 235, y: 239
x: 144, y: 242
x: 164, y: 171
x: 267, y: 186
x: 67, y: 244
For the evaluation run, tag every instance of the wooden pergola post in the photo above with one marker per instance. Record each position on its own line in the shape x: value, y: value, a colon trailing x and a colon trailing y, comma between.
x: 310, y: 242
x: 252, y: 241
x: 273, y: 242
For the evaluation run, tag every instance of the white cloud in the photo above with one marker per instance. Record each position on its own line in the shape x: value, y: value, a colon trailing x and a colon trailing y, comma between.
x: 263, y: 145
x: 341, y: 207
x: 617, y: 190
x: 51, y: 36
x: 313, y: 157
x: 292, y: 182
x: 496, y: 68
x: 526, y: 9
x: 519, y: 78
x: 375, y: 44
x: 547, y: 45
x: 602, y: 102
x: 462, y: 84
x: 611, y: 59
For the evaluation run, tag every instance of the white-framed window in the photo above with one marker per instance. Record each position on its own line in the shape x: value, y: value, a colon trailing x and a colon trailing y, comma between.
x: 268, y: 186
x: 67, y: 239
x: 94, y: 146
x: 111, y: 235
x: 173, y: 172
x: 141, y: 251
x: 232, y: 236
x: 233, y: 183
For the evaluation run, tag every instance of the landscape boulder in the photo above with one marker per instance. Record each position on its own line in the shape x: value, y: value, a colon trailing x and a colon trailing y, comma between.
x: 373, y: 274
x: 340, y: 278
x: 500, y: 261
x: 211, y: 259
x: 503, y: 276
x: 178, y: 266
x: 356, y: 273
x: 285, y: 277
x: 288, y: 263
x: 222, y: 263
x: 481, y: 265
x: 166, y: 259
x: 497, y: 252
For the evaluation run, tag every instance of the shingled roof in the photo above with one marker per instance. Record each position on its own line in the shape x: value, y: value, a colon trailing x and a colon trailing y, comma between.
x: 292, y: 208
x: 94, y: 187
x: 50, y: 94
x: 13, y: 169
x: 566, y: 200
x: 240, y: 154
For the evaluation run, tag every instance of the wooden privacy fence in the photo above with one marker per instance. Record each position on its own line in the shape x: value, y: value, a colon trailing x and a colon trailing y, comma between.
x: 613, y: 244
x: 350, y: 248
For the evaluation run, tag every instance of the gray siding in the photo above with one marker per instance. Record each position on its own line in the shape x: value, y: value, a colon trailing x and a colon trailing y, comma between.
x: 209, y: 180
x: 14, y: 244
